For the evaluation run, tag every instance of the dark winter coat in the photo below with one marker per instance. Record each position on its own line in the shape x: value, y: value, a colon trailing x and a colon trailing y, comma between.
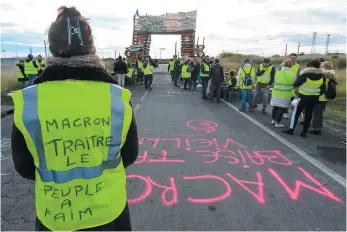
x: 88, y: 68
x: 120, y: 67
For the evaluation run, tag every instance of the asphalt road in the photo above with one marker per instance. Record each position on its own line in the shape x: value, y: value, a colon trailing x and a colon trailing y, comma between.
x: 205, y: 166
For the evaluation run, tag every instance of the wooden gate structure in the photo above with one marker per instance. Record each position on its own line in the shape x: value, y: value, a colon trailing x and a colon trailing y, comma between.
x: 182, y: 23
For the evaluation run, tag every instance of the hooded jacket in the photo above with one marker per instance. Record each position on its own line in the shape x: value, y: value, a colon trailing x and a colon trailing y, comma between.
x: 120, y: 67
x: 313, y: 74
x: 88, y: 68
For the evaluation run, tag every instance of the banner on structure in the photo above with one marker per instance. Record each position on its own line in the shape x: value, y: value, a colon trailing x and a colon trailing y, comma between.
x: 167, y: 23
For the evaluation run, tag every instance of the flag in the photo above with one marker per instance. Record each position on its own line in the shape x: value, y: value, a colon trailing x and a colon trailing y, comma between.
x: 137, y: 13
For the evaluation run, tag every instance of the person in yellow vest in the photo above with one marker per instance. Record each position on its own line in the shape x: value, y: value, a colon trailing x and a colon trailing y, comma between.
x: 311, y: 85
x: 265, y: 76
x: 30, y: 68
x: 186, y: 74
x: 331, y: 80
x: 22, y: 77
x: 181, y: 64
x: 205, y: 77
x: 75, y: 145
x: 148, y: 74
x: 171, y: 69
x: 246, y: 79
x: 296, y: 69
x: 41, y: 64
x: 282, y: 92
x: 139, y: 67
x: 130, y: 74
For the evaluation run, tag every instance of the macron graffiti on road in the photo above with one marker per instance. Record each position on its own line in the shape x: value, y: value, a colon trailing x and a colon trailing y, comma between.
x: 271, y: 164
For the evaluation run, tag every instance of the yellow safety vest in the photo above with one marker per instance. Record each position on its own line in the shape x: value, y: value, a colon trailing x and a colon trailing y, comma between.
x: 266, y: 77
x: 207, y: 69
x: 39, y: 65
x: 322, y: 97
x: 140, y: 65
x: 184, y: 73
x: 80, y: 180
x: 148, y: 70
x: 310, y: 87
x: 29, y: 68
x: 130, y: 73
x: 294, y: 68
x: 19, y: 73
x: 172, y: 65
x: 243, y: 74
x: 284, y: 81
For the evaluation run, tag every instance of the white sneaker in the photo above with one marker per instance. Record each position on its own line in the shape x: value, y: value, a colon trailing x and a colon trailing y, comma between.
x: 279, y: 125
x: 285, y: 116
x: 273, y: 122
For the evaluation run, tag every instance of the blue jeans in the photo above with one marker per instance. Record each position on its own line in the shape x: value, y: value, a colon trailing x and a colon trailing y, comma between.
x: 31, y: 77
x: 246, y: 96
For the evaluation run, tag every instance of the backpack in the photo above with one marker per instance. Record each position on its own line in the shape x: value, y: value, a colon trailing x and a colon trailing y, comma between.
x: 216, y: 71
x: 331, y: 90
x: 247, y: 81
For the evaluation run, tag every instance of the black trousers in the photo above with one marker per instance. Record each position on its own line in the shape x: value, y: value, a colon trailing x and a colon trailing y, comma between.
x: 175, y: 77
x: 204, y: 83
x: 187, y: 81
x: 215, y: 87
x: 193, y: 81
x: 306, y: 103
x: 172, y: 75
x: 121, y: 223
x: 277, y: 113
x: 148, y: 81
x: 139, y: 77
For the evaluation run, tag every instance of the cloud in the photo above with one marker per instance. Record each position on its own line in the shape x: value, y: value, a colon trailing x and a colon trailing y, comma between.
x: 251, y: 26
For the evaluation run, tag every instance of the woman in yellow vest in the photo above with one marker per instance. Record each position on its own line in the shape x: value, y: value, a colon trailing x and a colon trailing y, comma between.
x: 317, y: 119
x: 74, y: 134
x: 282, y: 92
x: 148, y: 74
x: 22, y: 77
x: 186, y: 74
x: 311, y: 86
x: 30, y: 69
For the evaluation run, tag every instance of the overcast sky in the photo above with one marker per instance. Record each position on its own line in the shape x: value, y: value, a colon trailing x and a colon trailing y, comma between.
x: 257, y: 26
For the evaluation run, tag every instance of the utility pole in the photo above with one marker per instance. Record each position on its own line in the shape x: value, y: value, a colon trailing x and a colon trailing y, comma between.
x: 285, y: 53
x: 45, y: 48
x: 115, y: 54
x: 175, y: 48
x: 298, y: 48
x: 313, y: 48
x: 327, y: 48
x: 161, y: 49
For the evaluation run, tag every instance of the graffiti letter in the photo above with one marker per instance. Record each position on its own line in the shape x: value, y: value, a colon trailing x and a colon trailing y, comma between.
x: 145, y: 194
x: 259, y: 161
x: 294, y: 194
x: 178, y: 142
x: 171, y: 188
x: 154, y: 144
x: 221, y: 197
x: 259, y: 196
x: 164, y: 159
x: 272, y: 155
x: 141, y: 158
x: 226, y: 145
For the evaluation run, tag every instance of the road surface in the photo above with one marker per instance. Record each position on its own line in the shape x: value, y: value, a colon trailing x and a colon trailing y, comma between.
x: 206, y: 166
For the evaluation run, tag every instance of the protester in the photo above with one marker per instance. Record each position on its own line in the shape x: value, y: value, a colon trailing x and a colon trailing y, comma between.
x: 22, y: 77
x: 265, y: 77
x: 246, y: 79
x: 186, y: 74
x: 205, y: 76
x: 331, y: 82
x: 282, y: 92
x: 171, y: 68
x: 177, y: 71
x: 85, y: 181
x: 311, y: 86
x: 139, y: 67
x: 120, y: 68
x: 148, y: 73
x: 30, y: 69
x: 41, y: 64
x: 217, y: 77
x: 195, y: 73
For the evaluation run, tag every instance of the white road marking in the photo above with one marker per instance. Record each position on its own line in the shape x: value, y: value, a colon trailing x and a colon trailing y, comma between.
x: 137, y: 107
x: 316, y: 163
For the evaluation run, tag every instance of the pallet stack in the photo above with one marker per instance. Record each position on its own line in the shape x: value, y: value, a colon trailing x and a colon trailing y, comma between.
x: 188, y: 44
